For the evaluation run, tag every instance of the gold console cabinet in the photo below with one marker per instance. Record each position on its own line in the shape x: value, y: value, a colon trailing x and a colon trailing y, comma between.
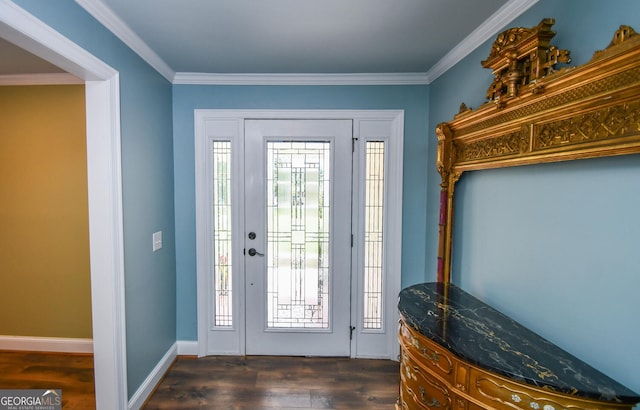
x: 459, y: 353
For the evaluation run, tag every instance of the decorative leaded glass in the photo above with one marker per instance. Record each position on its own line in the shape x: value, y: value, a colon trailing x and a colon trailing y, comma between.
x: 373, y: 234
x: 222, y: 257
x: 298, y: 229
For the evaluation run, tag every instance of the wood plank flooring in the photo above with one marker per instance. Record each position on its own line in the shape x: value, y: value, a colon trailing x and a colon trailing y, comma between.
x: 222, y: 382
x: 265, y: 382
x: 72, y: 373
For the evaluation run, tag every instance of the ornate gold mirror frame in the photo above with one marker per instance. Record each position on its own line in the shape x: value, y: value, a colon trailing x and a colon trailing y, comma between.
x: 537, y: 113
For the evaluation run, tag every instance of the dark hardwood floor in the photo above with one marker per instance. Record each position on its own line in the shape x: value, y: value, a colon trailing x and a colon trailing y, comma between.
x: 72, y: 373
x: 221, y: 382
x: 265, y: 382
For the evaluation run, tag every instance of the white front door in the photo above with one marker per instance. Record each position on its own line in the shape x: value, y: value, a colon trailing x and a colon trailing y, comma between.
x: 298, y: 236
x: 298, y: 231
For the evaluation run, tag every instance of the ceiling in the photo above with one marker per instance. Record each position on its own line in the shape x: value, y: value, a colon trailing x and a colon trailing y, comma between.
x: 284, y: 37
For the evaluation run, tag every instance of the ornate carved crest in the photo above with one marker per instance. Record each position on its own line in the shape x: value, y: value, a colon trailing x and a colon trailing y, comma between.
x: 521, y: 56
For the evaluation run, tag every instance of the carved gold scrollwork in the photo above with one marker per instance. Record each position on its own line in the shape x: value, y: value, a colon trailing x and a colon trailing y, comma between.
x: 554, y: 56
x: 606, y: 123
x: 463, y: 108
x: 508, y: 144
x: 446, y: 152
x: 623, y: 34
x: 455, y: 176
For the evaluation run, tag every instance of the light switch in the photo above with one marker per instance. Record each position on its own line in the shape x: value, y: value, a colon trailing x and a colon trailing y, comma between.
x: 157, y: 240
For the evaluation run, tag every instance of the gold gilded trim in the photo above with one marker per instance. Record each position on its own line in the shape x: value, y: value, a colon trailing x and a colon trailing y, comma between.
x: 609, y: 123
x: 540, y: 113
x: 517, y: 398
x: 510, y: 144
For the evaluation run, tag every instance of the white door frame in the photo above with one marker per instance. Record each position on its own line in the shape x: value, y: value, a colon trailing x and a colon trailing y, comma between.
x: 104, y: 189
x: 230, y: 124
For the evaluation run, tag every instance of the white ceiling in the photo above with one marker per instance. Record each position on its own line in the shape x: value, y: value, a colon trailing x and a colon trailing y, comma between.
x: 293, y: 37
x: 302, y: 36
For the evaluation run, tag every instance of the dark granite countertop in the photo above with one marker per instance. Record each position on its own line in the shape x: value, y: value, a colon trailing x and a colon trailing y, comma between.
x: 480, y: 335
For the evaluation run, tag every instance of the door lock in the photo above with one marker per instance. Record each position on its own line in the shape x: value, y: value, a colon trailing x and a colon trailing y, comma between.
x: 252, y: 235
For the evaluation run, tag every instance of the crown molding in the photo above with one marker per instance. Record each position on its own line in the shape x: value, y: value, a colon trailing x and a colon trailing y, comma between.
x: 507, y: 13
x: 39, y: 79
x: 492, y: 26
x: 301, y: 79
x: 120, y: 29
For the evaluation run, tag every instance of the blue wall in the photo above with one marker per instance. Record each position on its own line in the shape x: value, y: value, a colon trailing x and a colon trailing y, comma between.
x: 412, y: 99
x: 147, y: 180
x: 551, y: 245
x: 555, y: 246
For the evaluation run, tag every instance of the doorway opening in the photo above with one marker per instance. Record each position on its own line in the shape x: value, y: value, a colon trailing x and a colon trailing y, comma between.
x: 105, y: 197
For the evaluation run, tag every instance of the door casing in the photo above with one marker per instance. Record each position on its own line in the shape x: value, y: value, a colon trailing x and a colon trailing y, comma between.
x: 102, y: 93
x: 387, y: 125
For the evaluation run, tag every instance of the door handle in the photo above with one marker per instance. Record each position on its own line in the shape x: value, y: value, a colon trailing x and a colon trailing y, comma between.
x: 254, y: 252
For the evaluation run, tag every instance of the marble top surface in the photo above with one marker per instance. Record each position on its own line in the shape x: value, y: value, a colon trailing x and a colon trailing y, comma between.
x: 480, y: 335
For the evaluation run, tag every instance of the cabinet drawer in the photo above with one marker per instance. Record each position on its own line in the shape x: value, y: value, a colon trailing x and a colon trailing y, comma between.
x: 421, y: 388
x: 427, y: 353
x: 500, y: 392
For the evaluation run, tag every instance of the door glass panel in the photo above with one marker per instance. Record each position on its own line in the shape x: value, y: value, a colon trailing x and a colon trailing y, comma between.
x: 373, y: 234
x: 222, y: 268
x: 298, y: 178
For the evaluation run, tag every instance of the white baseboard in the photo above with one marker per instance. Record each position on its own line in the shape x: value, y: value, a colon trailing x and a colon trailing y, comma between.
x: 187, y: 348
x: 46, y: 344
x: 148, y: 386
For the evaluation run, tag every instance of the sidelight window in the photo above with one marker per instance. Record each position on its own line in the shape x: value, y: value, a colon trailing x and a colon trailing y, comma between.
x: 373, y: 234
x: 222, y: 235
